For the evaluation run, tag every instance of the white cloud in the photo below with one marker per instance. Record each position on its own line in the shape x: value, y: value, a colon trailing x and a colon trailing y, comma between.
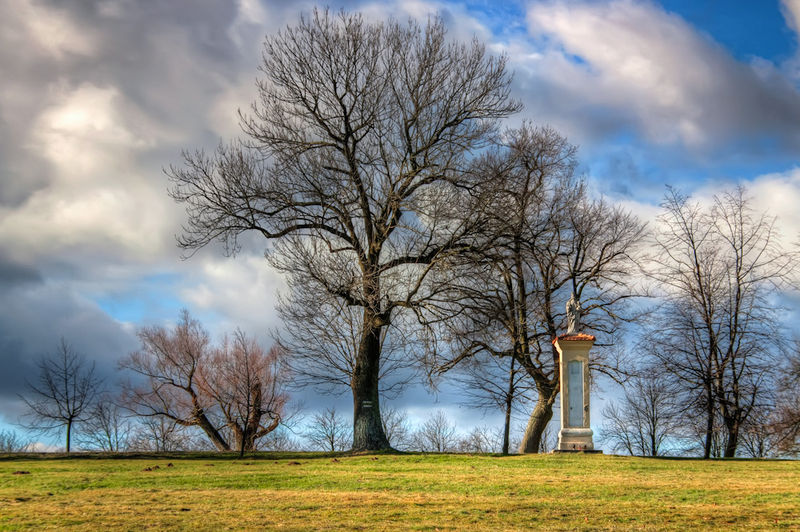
x: 791, y: 12
x: 41, y: 447
x: 239, y: 290
x: 774, y: 194
x: 51, y: 30
x: 778, y: 194
x: 99, y: 200
x: 651, y: 70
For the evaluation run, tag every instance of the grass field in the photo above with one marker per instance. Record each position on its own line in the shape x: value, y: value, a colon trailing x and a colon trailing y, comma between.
x: 305, y: 491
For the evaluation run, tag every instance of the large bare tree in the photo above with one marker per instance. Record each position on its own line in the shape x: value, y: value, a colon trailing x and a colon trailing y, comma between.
x: 351, y: 163
x: 718, y: 331
x: 63, y: 394
x: 321, y: 335
x: 546, y: 241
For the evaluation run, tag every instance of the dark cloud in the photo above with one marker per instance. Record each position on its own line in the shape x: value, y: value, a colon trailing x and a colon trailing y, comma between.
x: 13, y: 273
x: 34, y: 318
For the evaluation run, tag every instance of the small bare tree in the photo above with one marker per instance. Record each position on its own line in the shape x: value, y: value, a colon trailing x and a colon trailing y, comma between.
x: 106, y: 428
x: 760, y: 436
x: 160, y: 434
x: 786, y: 418
x: 479, y: 440
x: 437, y: 434
x: 645, y: 419
x: 396, y: 427
x: 232, y: 393
x: 329, y: 431
x: 280, y: 439
x: 63, y: 394
x: 351, y: 167
x: 11, y: 442
x: 495, y: 382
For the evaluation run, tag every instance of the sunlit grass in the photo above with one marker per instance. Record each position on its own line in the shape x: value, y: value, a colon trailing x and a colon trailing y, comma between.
x: 389, y: 492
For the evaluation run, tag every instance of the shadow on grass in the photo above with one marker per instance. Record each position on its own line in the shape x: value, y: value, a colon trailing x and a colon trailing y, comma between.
x: 192, y: 455
x: 307, y: 455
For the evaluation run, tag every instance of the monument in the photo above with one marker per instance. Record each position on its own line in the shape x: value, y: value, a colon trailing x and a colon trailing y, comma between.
x: 573, y: 350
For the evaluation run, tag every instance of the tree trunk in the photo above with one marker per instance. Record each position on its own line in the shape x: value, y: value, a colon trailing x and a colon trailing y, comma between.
x: 69, y: 433
x: 212, y: 433
x: 507, y: 426
x: 540, y: 417
x: 732, y: 440
x: 368, y: 433
x: 509, y: 401
x: 709, y: 428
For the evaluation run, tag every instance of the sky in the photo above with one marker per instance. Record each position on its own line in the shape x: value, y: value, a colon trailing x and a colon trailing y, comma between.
x: 98, y: 97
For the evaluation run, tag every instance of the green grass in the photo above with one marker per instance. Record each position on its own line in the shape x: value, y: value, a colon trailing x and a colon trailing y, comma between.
x: 395, y: 491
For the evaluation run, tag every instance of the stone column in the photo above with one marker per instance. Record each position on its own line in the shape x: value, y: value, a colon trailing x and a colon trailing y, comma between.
x: 575, y: 434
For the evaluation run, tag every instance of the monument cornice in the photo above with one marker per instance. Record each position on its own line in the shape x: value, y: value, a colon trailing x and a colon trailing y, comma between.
x: 574, y: 337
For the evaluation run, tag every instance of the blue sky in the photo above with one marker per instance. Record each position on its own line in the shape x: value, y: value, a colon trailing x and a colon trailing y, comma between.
x: 98, y: 97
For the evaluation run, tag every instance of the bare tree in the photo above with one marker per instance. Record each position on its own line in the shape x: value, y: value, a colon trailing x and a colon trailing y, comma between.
x: 437, y: 434
x: 106, y: 428
x: 351, y: 166
x: 396, y: 427
x: 321, y: 334
x: 63, y: 393
x: 10, y: 442
x: 546, y: 242
x: 160, y: 434
x: 495, y: 382
x: 479, y: 440
x: 329, y: 431
x: 232, y: 393
x: 718, y: 330
x: 280, y: 439
x: 246, y: 384
x: 170, y: 362
x: 760, y: 436
x: 786, y: 418
x: 645, y: 419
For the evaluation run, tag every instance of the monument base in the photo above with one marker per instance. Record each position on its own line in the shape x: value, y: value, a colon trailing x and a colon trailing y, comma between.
x: 565, y: 451
x: 575, y: 439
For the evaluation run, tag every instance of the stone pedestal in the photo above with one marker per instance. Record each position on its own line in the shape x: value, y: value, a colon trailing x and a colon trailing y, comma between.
x: 575, y: 434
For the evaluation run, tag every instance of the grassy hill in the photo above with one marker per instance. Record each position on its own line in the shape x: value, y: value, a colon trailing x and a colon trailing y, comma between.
x: 302, y: 491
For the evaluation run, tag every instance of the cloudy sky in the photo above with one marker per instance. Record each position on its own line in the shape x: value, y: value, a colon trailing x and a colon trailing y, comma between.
x: 97, y: 97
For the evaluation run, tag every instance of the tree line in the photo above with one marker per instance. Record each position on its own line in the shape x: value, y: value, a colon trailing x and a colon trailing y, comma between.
x: 420, y: 238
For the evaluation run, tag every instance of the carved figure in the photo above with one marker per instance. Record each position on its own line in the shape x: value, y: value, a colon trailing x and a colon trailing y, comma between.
x: 573, y: 314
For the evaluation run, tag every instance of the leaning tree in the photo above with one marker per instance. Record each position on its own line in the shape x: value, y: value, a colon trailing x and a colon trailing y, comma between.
x: 233, y: 393
x: 351, y: 166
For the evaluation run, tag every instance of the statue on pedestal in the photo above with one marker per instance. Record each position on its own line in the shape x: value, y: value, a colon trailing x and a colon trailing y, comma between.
x: 573, y: 314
